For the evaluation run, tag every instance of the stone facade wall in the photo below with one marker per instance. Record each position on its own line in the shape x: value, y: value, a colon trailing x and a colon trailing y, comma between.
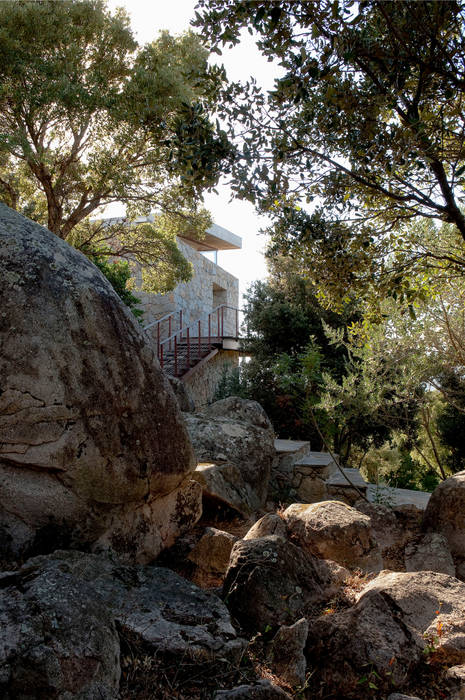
x: 203, y: 382
x: 210, y: 286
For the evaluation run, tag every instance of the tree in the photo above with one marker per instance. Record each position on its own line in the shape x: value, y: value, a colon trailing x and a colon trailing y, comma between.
x: 407, y: 374
x: 289, y: 350
x: 88, y: 118
x: 366, y: 125
x: 118, y: 273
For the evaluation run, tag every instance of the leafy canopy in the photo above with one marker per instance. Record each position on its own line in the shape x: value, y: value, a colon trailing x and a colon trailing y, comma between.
x: 88, y: 118
x: 363, y: 133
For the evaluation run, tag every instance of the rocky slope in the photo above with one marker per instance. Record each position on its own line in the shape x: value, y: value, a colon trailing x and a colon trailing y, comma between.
x: 320, y: 600
x: 93, y: 449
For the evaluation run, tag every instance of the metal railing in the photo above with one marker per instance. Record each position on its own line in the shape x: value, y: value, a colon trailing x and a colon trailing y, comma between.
x: 167, y: 319
x: 198, y: 339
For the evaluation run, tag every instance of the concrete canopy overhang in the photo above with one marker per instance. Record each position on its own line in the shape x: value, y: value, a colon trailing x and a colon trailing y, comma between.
x: 216, y: 238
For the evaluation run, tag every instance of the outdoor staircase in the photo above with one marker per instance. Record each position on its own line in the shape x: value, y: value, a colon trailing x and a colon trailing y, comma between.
x: 186, y: 357
x: 309, y: 476
x: 180, y: 350
x: 306, y: 476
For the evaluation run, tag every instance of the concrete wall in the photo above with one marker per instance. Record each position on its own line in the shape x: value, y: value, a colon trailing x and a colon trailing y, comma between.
x: 210, y: 286
x: 202, y: 383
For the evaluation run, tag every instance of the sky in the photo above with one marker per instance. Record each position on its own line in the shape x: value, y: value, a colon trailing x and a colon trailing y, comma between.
x: 148, y: 17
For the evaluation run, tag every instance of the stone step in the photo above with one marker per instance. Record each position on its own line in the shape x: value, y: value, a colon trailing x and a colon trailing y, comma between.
x: 339, y: 487
x: 321, y: 464
x: 338, y: 479
x: 289, y: 451
x: 397, y: 497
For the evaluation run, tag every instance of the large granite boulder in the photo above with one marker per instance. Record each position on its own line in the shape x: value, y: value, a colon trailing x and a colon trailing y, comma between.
x: 243, y: 410
x: 64, y: 618
x: 286, y: 653
x: 445, y: 513
x: 272, y: 582
x: 400, y: 622
x: 269, y: 524
x: 334, y: 530
x: 91, y: 437
x: 393, y: 529
x: 430, y: 552
x: 234, y: 443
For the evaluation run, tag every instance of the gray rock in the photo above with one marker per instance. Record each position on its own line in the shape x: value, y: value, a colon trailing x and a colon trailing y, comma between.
x: 383, y: 524
x: 445, y: 513
x: 185, y: 401
x: 223, y: 484
x: 270, y: 524
x: 455, y: 676
x: 336, y: 531
x: 429, y: 553
x: 58, y: 639
x: 263, y: 690
x: 62, y: 617
x: 286, y: 654
x: 398, y: 533
x: 90, y: 432
x: 212, y: 551
x: 235, y: 453
x: 243, y: 410
x: 399, y: 622
x: 271, y: 582
x: 400, y: 696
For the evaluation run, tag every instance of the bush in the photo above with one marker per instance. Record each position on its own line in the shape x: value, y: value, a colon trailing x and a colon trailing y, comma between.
x: 118, y: 273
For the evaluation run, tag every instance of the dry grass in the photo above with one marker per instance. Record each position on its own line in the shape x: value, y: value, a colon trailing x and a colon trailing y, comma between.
x: 148, y: 676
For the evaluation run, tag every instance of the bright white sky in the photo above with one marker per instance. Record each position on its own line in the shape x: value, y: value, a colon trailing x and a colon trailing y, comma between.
x: 148, y: 17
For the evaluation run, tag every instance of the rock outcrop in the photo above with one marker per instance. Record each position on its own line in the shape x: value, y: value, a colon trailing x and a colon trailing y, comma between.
x: 336, y: 531
x: 234, y: 443
x: 185, y: 401
x: 400, y: 620
x: 393, y: 529
x: 64, y: 616
x: 211, y: 553
x: 269, y: 524
x: 429, y: 553
x: 90, y: 432
x: 445, y: 513
x: 243, y: 410
x: 286, y: 653
x: 272, y: 582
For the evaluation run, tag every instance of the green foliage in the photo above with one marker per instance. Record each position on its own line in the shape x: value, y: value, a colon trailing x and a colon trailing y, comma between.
x: 288, y: 351
x: 118, y: 273
x: 411, y: 474
x: 230, y: 384
x: 375, y: 396
x: 363, y: 134
x: 87, y: 118
x: 451, y: 423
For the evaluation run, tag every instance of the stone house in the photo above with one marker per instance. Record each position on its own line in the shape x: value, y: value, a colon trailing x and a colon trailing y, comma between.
x: 196, y: 326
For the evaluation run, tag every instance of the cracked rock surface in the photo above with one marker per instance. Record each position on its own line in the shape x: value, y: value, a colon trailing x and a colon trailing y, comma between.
x: 90, y: 430
x: 399, y: 620
x: 234, y: 443
x: 271, y: 582
x: 63, y: 617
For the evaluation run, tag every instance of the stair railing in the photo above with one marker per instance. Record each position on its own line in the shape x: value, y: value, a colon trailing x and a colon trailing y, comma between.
x: 168, y: 318
x: 184, y: 340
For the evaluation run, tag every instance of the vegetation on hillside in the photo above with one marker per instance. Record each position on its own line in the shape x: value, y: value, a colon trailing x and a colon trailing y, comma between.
x: 363, y: 134
x: 89, y: 118
x: 358, y: 157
